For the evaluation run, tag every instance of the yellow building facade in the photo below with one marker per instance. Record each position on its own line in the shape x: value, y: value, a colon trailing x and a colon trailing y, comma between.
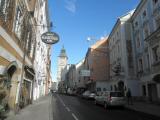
x: 17, y: 49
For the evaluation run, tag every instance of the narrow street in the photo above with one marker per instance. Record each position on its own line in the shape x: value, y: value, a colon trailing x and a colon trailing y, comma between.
x: 55, y: 55
x: 74, y: 108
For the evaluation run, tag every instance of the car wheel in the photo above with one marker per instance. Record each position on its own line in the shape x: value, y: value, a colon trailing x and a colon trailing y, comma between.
x: 105, y: 105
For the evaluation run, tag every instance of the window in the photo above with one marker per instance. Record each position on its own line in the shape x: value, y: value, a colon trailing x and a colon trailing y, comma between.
x: 116, y: 94
x: 117, y: 33
x: 140, y: 65
x: 146, y: 32
x: 144, y: 90
x: 144, y: 14
x: 111, y: 87
x: 98, y: 89
x: 138, y: 42
x: 136, y: 24
x: 104, y: 89
x: 155, y: 1
x: 155, y: 53
x: 3, y: 8
x: 17, y: 21
x: 41, y: 3
x: 148, y: 61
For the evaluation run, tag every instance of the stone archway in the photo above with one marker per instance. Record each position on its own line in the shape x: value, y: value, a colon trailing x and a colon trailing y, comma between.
x: 10, y: 84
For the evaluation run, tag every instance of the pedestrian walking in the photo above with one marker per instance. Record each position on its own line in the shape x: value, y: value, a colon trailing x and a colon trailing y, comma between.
x: 129, y: 97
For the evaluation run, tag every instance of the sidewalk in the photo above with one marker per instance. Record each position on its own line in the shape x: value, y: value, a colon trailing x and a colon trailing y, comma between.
x: 39, y: 110
x: 144, y: 107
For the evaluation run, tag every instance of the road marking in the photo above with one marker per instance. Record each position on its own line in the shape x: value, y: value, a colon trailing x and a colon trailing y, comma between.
x: 74, y: 116
x: 68, y: 109
x: 61, y: 100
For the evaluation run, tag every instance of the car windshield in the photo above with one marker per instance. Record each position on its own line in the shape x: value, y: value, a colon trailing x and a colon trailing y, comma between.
x: 116, y: 94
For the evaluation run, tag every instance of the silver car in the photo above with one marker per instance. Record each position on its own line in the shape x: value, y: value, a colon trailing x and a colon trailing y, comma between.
x: 89, y: 95
x: 110, y: 98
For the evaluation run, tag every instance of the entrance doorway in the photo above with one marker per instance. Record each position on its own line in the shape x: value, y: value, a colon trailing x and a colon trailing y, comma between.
x: 152, y: 92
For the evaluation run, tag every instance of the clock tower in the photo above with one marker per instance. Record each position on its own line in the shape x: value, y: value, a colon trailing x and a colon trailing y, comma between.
x: 62, y: 62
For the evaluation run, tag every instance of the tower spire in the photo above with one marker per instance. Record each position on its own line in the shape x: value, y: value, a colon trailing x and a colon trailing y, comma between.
x: 63, y: 52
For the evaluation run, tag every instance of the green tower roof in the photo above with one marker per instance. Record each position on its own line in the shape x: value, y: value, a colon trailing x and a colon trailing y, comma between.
x: 63, y: 52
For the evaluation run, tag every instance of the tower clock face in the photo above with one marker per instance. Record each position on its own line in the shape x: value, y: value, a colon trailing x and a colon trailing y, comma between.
x: 62, y: 62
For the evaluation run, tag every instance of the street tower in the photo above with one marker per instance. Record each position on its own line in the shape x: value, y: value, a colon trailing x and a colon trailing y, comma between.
x: 62, y: 62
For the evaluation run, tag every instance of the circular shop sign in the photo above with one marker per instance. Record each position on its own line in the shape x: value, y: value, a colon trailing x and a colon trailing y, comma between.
x: 50, y: 37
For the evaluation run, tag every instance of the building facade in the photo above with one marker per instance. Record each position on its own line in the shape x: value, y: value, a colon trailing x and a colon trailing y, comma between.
x: 17, y: 51
x: 146, y: 35
x: 122, y: 72
x: 22, y: 58
x: 64, y: 79
x: 42, y: 62
x: 97, y: 62
x: 79, y: 78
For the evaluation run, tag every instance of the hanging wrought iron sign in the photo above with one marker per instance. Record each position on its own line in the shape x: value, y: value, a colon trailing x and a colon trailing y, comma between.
x: 50, y: 37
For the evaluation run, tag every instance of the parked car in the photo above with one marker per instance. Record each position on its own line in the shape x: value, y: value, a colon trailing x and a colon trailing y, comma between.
x: 110, y: 98
x: 88, y: 95
x: 92, y: 96
x: 71, y: 92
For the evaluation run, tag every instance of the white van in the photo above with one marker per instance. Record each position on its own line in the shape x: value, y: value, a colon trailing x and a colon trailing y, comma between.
x: 110, y: 98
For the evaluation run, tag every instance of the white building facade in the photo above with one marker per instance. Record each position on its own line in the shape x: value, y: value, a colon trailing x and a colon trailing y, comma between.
x: 79, y: 80
x: 122, y: 75
x: 43, y: 51
x: 146, y: 35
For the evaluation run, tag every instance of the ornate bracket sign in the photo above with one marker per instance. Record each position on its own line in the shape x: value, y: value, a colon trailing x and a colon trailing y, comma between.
x: 50, y: 37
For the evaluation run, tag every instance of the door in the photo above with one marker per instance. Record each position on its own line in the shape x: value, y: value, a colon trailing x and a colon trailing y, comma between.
x: 152, y: 92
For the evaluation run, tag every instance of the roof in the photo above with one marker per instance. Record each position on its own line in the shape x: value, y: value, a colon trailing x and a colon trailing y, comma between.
x: 63, y: 52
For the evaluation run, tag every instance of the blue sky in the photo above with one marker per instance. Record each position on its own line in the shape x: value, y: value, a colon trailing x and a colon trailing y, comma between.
x: 75, y: 20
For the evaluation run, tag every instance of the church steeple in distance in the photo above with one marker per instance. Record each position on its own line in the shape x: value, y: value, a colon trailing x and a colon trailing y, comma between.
x: 63, y: 52
x: 62, y: 62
